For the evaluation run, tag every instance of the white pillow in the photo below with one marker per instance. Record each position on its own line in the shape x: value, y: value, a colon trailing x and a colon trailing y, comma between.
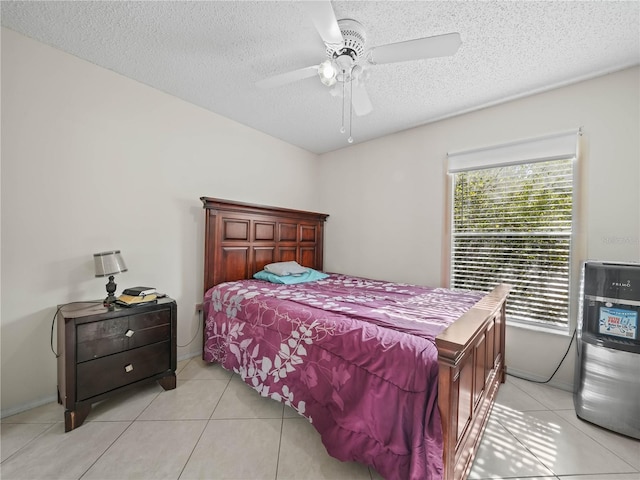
x: 285, y: 268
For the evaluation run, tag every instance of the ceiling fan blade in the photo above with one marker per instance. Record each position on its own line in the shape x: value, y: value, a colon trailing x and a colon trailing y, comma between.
x: 428, y: 47
x: 288, y: 77
x: 324, y: 19
x: 360, y: 100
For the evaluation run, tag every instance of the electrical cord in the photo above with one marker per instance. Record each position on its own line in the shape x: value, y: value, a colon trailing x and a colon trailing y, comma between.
x: 555, y: 371
x: 194, y: 337
x: 55, y: 315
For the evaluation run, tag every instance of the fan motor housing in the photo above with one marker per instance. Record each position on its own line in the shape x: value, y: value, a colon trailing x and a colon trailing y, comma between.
x: 354, y: 37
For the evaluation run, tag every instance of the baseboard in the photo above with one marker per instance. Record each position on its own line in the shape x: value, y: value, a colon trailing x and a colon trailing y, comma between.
x: 27, y: 406
x: 187, y: 356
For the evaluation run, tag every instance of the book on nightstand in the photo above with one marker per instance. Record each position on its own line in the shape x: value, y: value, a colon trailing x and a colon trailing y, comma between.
x: 139, y: 291
x: 135, y: 300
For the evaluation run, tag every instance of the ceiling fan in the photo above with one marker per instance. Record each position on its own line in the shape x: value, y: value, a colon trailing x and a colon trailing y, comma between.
x: 348, y: 55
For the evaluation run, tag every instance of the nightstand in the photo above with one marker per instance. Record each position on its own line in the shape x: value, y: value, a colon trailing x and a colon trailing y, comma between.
x: 103, y: 352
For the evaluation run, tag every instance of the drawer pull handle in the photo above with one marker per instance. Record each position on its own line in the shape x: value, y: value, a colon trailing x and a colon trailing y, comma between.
x: 128, y: 368
x: 129, y: 333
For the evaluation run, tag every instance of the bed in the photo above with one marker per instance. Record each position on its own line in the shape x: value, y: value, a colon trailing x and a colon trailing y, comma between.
x: 412, y: 405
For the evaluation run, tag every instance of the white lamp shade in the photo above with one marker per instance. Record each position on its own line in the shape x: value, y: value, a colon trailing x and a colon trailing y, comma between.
x: 109, y: 263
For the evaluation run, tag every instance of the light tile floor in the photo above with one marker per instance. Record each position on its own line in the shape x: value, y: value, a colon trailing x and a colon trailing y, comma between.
x: 212, y: 426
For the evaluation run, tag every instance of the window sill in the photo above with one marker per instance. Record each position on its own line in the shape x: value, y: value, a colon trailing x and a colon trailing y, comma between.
x: 541, y: 328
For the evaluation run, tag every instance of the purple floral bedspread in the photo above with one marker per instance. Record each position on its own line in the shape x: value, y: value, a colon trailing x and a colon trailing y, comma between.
x: 356, y: 357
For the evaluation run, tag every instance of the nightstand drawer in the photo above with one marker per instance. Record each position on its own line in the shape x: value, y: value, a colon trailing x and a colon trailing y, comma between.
x: 149, y: 328
x: 108, y: 373
x: 98, y: 339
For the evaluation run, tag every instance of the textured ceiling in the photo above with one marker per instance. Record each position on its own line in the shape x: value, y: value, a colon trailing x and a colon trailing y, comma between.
x: 212, y: 53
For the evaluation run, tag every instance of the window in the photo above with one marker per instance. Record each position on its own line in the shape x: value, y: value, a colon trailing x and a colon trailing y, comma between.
x: 512, y: 220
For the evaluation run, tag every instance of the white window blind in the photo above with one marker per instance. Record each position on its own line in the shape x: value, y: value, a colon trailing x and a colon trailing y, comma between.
x: 512, y: 222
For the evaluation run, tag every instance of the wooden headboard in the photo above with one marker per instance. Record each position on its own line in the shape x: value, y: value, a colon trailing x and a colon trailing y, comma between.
x: 241, y: 238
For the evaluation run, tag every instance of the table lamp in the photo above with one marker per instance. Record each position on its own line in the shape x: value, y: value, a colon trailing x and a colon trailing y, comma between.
x: 109, y: 264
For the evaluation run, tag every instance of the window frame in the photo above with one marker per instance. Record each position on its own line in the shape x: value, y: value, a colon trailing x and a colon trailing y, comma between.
x: 522, y: 152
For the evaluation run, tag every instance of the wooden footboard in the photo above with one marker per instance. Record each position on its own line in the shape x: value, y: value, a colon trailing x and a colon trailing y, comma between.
x: 472, y: 365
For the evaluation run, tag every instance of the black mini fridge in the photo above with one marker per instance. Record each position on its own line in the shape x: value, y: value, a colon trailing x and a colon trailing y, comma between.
x: 607, y: 375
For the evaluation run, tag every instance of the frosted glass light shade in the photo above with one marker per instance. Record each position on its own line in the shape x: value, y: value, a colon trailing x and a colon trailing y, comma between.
x: 327, y: 73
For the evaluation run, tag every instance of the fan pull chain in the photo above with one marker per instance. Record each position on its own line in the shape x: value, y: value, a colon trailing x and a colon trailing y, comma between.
x: 350, y: 139
x: 342, y: 129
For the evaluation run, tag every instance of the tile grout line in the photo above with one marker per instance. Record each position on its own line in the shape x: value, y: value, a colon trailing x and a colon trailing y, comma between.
x: 280, y: 442
x: 208, y: 421
x: 555, y: 413
x: 148, y: 405
x: 121, y: 434
x: 515, y: 437
x: 105, y: 451
x: 195, y: 445
x: 17, y: 452
x: 557, y: 475
x: 597, y: 441
x: 226, y: 387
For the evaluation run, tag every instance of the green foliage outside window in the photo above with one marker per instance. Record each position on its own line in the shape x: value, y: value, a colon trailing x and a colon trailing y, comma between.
x: 513, y: 224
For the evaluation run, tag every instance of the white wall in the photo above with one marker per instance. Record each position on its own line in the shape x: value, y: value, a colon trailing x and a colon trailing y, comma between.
x: 93, y: 161
x: 399, y: 181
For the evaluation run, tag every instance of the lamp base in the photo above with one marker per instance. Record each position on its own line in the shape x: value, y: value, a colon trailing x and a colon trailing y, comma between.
x: 110, y: 301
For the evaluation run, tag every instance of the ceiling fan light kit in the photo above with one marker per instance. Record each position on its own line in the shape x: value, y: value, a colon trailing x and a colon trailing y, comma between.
x: 327, y: 73
x: 345, y: 41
